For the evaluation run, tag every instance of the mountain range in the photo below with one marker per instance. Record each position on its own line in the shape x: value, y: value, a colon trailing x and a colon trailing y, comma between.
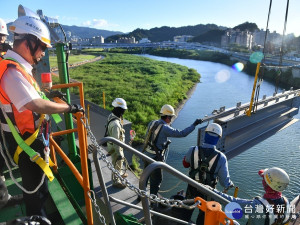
x: 86, y: 32
x: 201, y: 32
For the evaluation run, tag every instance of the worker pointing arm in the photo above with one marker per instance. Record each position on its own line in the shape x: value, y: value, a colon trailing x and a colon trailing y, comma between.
x: 157, y: 136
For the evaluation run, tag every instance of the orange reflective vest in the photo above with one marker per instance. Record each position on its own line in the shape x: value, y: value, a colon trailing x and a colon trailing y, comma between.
x: 26, y: 121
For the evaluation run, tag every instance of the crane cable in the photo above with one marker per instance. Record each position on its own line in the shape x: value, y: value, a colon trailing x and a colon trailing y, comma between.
x: 281, y: 49
x: 263, y: 60
x: 264, y: 50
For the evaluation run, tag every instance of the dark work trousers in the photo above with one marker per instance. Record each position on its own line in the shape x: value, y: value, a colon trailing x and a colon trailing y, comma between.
x: 192, y: 193
x: 31, y: 175
x: 2, y: 161
x: 155, y: 179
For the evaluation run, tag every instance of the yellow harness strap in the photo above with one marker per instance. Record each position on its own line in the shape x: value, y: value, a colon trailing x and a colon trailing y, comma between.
x: 38, y: 160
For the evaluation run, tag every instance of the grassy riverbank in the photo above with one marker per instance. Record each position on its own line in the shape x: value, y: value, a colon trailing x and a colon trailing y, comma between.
x: 145, y: 84
x: 72, y: 59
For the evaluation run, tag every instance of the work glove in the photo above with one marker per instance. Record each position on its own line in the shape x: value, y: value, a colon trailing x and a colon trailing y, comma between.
x: 208, y: 187
x: 197, y: 121
x: 53, y: 94
x: 226, y: 189
x: 74, y: 108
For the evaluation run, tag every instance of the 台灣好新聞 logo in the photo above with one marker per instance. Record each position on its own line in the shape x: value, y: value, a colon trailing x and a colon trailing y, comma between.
x: 233, y: 210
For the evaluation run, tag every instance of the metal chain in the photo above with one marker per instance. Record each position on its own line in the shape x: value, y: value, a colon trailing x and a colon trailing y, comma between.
x: 142, y: 193
x: 91, y: 195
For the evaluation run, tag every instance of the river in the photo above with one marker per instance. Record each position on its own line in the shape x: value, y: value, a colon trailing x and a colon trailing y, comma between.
x: 281, y: 150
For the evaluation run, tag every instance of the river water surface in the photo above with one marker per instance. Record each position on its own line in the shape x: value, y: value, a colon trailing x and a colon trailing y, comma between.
x: 220, y: 85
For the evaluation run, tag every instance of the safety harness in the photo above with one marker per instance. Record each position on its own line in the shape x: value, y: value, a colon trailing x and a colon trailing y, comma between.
x: 203, y: 168
x: 106, y: 129
x: 151, y: 140
x: 273, y: 206
x: 24, y: 145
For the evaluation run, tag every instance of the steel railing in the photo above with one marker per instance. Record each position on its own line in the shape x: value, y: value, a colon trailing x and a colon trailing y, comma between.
x: 143, y: 181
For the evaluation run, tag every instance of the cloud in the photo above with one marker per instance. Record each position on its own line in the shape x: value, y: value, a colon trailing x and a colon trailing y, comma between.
x: 66, y: 18
x: 98, y: 23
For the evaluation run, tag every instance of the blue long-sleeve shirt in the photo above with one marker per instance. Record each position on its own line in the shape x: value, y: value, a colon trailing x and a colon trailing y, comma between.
x: 168, y: 131
x: 221, y: 170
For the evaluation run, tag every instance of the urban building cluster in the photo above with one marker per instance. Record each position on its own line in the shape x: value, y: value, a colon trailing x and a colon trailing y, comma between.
x: 256, y: 39
x: 183, y: 38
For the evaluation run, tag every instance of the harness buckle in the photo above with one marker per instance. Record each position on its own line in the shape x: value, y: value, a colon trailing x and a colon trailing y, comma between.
x: 35, y: 157
x: 204, y: 166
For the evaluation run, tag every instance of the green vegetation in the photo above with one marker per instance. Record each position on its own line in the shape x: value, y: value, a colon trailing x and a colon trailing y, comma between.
x: 247, y: 26
x: 145, y: 84
x: 136, y: 166
x: 72, y: 59
x: 181, y: 53
x: 238, y: 48
x: 212, y: 36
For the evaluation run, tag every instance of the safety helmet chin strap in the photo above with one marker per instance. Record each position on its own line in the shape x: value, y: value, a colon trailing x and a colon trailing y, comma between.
x: 33, y: 50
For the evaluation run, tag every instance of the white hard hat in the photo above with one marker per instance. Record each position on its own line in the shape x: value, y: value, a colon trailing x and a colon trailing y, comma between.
x: 34, y: 26
x: 276, y: 178
x: 214, y: 128
x: 3, y: 28
x: 167, y: 110
x: 119, y: 102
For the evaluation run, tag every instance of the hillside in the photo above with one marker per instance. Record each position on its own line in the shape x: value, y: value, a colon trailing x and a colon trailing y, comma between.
x: 202, y: 33
x: 86, y: 32
x: 247, y: 26
x: 166, y: 33
x: 210, y: 36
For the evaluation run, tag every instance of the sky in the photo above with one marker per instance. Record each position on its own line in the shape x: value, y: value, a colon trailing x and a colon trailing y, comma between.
x: 126, y: 16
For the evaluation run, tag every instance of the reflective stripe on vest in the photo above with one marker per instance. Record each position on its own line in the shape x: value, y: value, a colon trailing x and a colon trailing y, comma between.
x: 24, y: 121
x: 27, y: 120
x: 24, y: 145
x: 271, y: 208
x: 195, y: 163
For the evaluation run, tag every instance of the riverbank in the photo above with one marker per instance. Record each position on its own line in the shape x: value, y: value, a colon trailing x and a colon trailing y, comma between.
x: 280, y: 77
x: 182, y: 103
